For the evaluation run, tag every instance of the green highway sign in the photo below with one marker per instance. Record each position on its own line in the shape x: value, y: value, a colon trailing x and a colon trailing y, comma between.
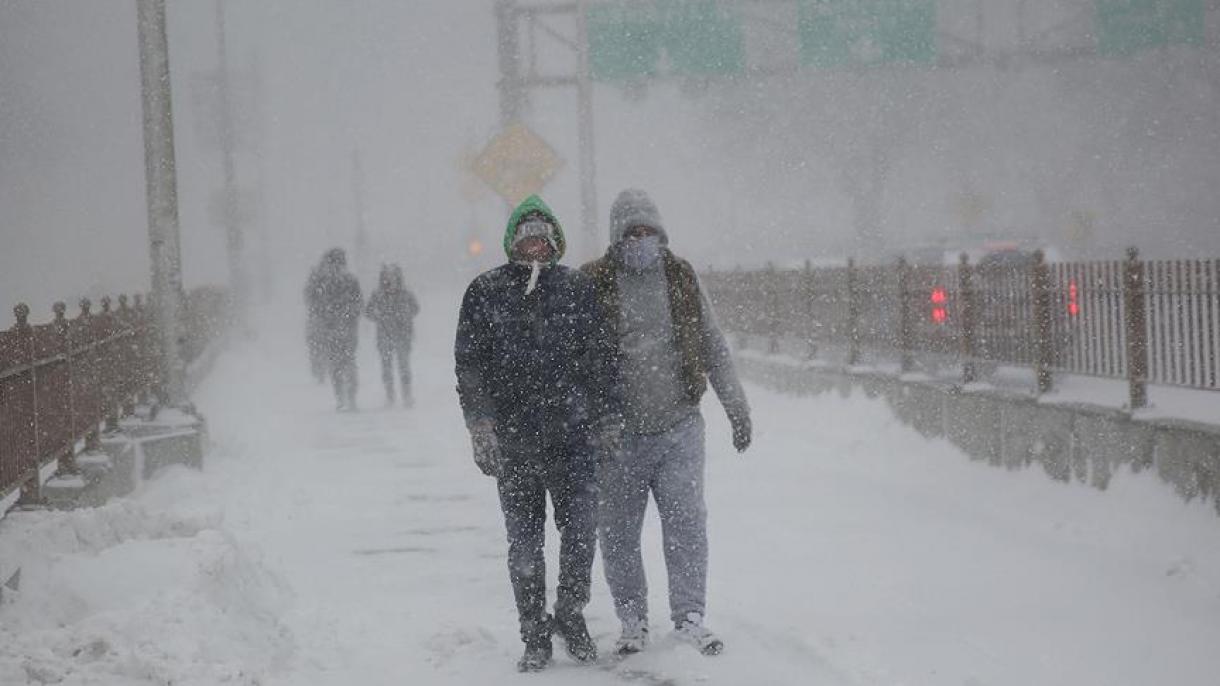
x: 624, y: 40
x: 1128, y: 26
x: 702, y: 37
x: 836, y: 33
x: 627, y: 38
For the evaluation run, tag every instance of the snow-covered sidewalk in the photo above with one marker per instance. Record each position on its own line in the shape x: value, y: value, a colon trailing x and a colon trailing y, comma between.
x: 325, y: 548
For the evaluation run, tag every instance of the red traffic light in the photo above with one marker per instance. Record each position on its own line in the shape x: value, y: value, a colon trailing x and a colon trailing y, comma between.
x: 939, y: 314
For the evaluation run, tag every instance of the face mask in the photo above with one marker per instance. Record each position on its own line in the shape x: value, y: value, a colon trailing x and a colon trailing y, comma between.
x: 536, y: 228
x: 640, y: 254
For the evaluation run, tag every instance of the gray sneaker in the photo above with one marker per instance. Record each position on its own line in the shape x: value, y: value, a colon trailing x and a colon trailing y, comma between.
x: 634, y: 637
x: 692, y: 631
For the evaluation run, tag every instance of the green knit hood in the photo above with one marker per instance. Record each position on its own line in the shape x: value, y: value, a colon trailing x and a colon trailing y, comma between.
x: 533, y: 204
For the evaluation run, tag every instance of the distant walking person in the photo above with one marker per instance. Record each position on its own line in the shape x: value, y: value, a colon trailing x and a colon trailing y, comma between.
x: 340, y: 305
x: 530, y: 387
x: 313, y: 324
x: 666, y: 346
x: 393, y: 308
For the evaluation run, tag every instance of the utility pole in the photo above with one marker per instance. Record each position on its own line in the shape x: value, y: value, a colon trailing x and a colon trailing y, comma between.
x: 234, y: 240
x: 512, y: 95
x: 514, y: 89
x: 587, y: 160
x: 361, y: 239
x: 161, y: 188
x: 260, y: 251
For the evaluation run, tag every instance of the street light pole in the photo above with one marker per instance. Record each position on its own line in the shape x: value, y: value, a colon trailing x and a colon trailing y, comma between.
x: 361, y: 239
x: 234, y: 238
x: 512, y: 95
x: 587, y: 159
x: 161, y: 188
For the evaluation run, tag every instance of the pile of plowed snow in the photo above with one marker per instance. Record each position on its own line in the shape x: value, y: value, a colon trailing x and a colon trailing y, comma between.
x: 122, y: 594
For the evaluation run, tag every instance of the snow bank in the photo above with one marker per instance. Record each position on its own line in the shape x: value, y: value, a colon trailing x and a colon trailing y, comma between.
x: 126, y: 594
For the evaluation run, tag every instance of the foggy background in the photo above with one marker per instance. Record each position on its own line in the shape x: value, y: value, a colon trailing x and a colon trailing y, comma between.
x: 1088, y: 154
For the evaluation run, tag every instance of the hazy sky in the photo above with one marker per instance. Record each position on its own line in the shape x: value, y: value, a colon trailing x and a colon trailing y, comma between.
x: 743, y: 172
x: 406, y: 83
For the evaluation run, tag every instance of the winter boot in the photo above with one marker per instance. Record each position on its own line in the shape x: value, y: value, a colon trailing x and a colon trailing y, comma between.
x: 692, y: 631
x: 575, y: 634
x: 537, y: 646
x: 536, y: 657
x: 633, y: 638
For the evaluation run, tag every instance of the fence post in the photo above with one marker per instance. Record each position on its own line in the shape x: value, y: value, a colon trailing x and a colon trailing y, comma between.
x: 965, y: 294
x: 129, y: 366
x: 31, y: 488
x: 771, y: 281
x: 808, y: 293
x: 853, y: 315
x: 1135, y: 309
x: 905, y: 361
x: 90, y: 377
x: 1041, y: 299
x: 149, y: 365
x: 63, y: 329
x: 109, y: 372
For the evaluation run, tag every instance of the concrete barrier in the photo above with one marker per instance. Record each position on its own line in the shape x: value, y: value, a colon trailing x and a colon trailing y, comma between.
x: 1086, y: 443
x: 127, y: 457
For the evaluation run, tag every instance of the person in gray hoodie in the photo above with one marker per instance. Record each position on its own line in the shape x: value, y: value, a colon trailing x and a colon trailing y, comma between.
x: 665, y: 346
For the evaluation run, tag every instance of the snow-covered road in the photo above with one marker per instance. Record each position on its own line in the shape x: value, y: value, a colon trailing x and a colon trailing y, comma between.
x: 319, y: 548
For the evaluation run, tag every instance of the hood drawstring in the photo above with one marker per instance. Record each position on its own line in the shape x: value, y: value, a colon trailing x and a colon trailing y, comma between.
x: 535, y: 270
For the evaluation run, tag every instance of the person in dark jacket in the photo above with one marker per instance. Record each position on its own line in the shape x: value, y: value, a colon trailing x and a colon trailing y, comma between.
x: 665, y: 348
x: 530, y: 386
x: 313, y: 324
x: 393, y: 307
x: 339, y: 307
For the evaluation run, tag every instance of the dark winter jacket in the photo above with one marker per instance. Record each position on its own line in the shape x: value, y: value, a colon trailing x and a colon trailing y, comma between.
x: 339, y: 302
x: 394, y: 310
x: 534, y: 364
x: 313, y: 300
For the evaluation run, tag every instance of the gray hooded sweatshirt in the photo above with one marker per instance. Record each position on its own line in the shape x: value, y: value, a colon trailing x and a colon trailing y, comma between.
x: 655, y: 399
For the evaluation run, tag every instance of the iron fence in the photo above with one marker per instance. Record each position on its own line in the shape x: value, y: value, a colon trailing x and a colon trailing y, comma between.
x: 1143, y: 321
x: 64, y: 381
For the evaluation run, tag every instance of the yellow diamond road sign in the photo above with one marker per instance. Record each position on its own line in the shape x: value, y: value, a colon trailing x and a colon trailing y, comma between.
x: 517, y: 163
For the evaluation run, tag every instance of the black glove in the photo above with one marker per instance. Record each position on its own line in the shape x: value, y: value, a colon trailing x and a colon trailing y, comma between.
x: 486, y: 448
x: 742, y: 431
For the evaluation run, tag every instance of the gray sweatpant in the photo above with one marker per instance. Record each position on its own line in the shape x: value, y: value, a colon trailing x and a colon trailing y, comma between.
x: 670, y: 466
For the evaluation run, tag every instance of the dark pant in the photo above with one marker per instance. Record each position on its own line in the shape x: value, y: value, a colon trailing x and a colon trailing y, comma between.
x: 391, y: 347
x: 570, y: 480
x: 317, y: 358
x: 341, y: 359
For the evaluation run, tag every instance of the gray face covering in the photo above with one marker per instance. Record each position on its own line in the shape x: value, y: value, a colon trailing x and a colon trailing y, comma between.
x: 640, y: 254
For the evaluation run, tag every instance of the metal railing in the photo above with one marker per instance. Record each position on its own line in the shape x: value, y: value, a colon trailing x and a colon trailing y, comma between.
x: 1143, y: 321
x: 65, y: 381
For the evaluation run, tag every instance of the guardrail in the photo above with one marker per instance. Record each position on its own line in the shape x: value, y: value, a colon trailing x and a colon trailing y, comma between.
x: 65, y: 381
x: 1143, y: 321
